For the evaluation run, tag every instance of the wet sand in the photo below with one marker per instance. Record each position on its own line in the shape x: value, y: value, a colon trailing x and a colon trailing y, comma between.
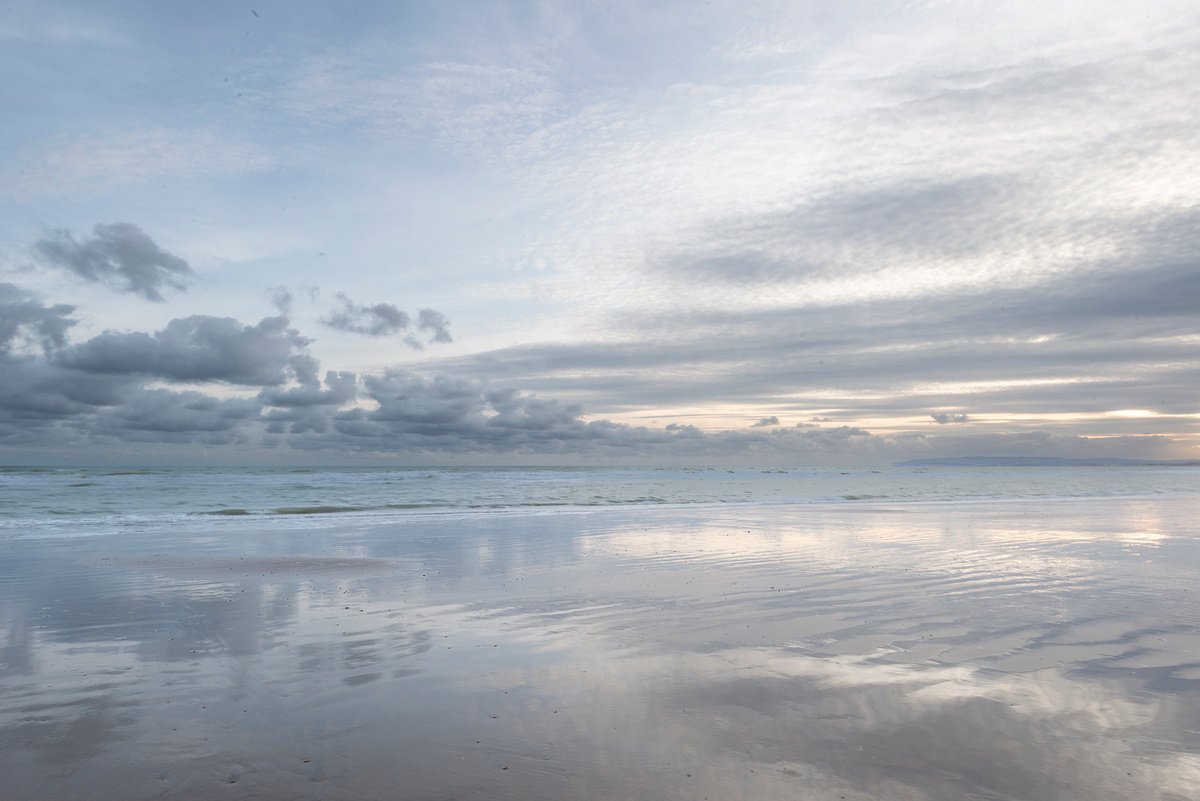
x: 1019, y: 650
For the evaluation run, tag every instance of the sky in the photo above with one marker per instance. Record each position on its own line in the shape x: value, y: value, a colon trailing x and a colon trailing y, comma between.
x: 598, y: 233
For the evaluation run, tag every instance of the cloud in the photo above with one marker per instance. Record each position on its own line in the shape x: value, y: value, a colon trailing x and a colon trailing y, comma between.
x: 197, y: 348
x: 898, y: 190
x: 446, y: 418
x: 436, y: 323
x: 118, y: 254
x: 763, y: 422
x: 399, y: 414
x: 1109, y: 338
x: 481, y: 108
x: 34, y: 392
x: 281, y: 299
x: 102, y: 161
x: 944, y: 418
x: 161, y: 415
x: 906, y: 259
x: 849, y: 232
x: 377, y: 320
x: 340, y: 388
x: 384, y: 319
x: 307, y: 407
x: 455, y: 417
x: 24, y: 320
x: 284, y: 298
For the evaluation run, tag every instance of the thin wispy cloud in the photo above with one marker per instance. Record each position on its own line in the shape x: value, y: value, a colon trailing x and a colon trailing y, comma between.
x: 70, y: 167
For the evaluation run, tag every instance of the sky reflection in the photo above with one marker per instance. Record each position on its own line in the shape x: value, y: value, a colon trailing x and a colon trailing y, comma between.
x: 934, y: 652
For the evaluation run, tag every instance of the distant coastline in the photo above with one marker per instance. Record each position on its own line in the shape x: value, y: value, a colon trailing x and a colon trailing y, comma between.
x: 1043, y: 461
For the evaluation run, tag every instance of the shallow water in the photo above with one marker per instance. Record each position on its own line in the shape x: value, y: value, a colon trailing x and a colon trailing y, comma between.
x: 983, y: 650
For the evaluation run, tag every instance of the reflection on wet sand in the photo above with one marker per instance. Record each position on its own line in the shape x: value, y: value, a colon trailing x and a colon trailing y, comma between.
x: 1000, y: 651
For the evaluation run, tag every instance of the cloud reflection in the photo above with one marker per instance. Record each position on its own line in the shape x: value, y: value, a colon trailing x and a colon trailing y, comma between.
x: 923, y: 653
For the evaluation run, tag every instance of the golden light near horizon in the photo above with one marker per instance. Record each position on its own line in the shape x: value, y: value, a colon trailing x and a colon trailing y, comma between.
x: 734, y: 417
x: 1134, y: 413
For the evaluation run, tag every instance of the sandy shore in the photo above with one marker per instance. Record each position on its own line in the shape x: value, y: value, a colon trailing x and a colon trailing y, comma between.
x: 1044, y: 650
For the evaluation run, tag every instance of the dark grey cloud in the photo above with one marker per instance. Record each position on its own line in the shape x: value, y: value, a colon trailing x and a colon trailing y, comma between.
x: 384, y: 319
x: 43, y: 406
x: 307, y: 407
x: 161, y: 415
x: 119, y: 254
x: 376, y: 320
x: 26, y: 321
x: 414, y: 414
x: 340, y: 388
x: 46, y: 404
x: 446, y: 418
x: 35, y: 392
x: 436, y: 324
x: 413, y: 417
x: 764, y: 422
x: 946, y: 418
x: 197, y: 348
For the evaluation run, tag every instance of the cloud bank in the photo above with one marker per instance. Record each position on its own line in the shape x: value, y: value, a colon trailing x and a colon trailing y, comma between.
x: 164, y: 388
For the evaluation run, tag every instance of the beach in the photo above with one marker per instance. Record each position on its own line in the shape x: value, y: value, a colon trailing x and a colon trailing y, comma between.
x: 992, y: 649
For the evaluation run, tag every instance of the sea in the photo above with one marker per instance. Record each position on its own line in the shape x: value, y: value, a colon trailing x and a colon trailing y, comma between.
x: 39, y: 502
